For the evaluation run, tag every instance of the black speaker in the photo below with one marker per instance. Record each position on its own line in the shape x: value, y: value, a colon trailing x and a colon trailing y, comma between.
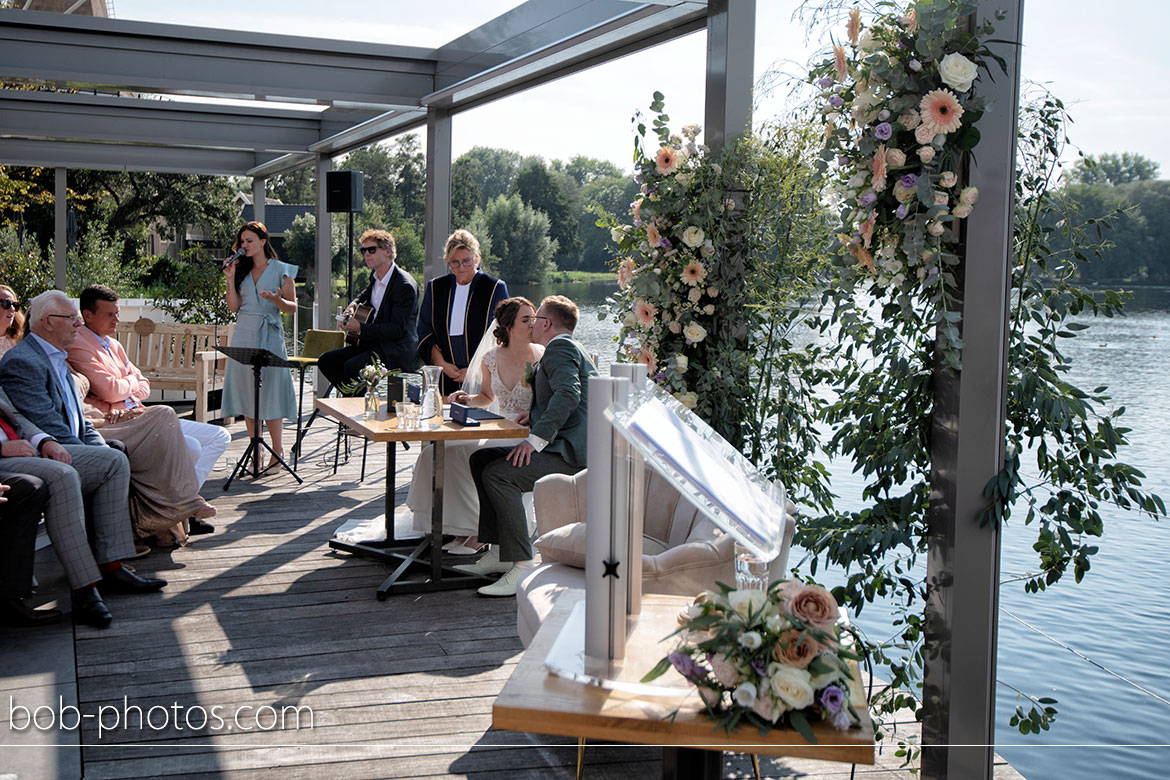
x: 343, y: 191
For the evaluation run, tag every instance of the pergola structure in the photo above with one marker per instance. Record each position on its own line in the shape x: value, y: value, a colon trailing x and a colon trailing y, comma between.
x: 119, y: 118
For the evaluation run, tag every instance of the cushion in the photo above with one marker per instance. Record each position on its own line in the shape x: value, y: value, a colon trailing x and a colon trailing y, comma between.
x: 567, y: 545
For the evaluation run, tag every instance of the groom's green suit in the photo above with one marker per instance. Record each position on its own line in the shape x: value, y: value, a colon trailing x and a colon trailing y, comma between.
x: 560, y: 404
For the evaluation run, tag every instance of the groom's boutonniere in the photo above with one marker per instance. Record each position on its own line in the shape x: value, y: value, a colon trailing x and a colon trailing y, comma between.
x: 530, y: 372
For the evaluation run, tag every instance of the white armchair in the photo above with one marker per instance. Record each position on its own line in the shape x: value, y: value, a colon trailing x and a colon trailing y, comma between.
x: 683, y: 553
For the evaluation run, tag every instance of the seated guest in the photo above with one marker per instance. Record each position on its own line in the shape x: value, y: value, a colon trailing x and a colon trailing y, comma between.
x: 457, y: 310
x: 555, y: 445
x: 390, y: 332
x: 70, y: 475
x: 22, y: 501
x: 36, y: 377
x: 117, y: 387
x: 11, y: 320
x: 502, y: 387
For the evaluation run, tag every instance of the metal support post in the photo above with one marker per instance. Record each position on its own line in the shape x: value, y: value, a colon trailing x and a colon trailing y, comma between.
x: 60, y: 225
x: 259, y: 198
x: 958, y: 730
x: 731, y: 51
x: 323, y: 265
x: 438, y: 198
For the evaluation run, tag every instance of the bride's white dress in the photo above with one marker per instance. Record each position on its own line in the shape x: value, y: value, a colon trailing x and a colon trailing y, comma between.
x: 460, y: 501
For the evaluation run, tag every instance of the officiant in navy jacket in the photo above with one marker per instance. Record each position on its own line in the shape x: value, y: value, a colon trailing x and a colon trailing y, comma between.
x: 457, y: 310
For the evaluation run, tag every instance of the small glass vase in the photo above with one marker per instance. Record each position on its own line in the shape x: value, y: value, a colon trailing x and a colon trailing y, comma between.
x: 371, y: 402
x: 751, y: 572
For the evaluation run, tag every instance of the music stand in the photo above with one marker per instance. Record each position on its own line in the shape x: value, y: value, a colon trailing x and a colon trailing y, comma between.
x: 258, y: 359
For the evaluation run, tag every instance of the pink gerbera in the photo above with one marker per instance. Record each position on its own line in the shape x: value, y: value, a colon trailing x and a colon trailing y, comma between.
x: 625, y: 272
x: 940, y: 110
x: 666, y: 160
x: 694, y: 274
x: 645, y: 312
x: 653, y: 237
x: 879, y: 168
x: 647, y: 357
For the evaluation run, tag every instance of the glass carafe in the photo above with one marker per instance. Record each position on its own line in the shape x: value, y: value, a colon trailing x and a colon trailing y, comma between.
x: 432, y: 397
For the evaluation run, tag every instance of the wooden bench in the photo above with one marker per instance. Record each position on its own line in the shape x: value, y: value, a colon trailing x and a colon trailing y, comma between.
x: 176, y: 356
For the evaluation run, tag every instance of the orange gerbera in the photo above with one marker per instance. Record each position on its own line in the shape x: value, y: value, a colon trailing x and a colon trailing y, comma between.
x: 840, y: 63
x: 626, y: 272
x: 854, y: 26
x: 651, y: 362
x: 666, y: 160
x: 861, y: 254
x: 867, y: 229
x: 940, y: 110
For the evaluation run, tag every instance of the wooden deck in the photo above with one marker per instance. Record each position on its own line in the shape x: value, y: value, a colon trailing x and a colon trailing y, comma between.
x: 262, y: 614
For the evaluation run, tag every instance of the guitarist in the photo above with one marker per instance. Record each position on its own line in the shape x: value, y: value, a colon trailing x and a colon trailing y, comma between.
x: 389, y: 333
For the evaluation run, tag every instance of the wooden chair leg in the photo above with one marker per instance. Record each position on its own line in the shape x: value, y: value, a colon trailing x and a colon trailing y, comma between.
x: 756, y: 765
x: 580, y: 757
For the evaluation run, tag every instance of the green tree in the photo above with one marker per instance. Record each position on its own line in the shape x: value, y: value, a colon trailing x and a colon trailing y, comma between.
x: 300, y: 242
x: 98, y: 259
x: 493, y: 171
x: 1151, y: 200
x: 541, y: 190
x: 22, y: 266
x: 586, y: 169
x: 1113, y: 169
x: 521, y: 248
x: 299, y: 186
x: 602, y: 195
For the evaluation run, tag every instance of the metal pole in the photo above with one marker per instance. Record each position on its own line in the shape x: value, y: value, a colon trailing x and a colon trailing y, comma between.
x: 259, y: 198
x: 958, y: 730
x: 731, y: 48
x: 438, y: 198
x: 349, y: 259
x: 323, y: 266
x: 60, y: 225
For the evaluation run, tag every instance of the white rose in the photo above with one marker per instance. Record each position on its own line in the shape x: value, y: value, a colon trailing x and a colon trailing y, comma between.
x: 682, y: 362
x: 709, y: 309
x: 693, y: 236
x: 969, y: 195
x: 689, y: 400
x: 746, y: 601
x: 695, y: 332
x: 962, y: 211
x: 674, y: 327
x: 935, y: 228
x: 790, y: 685
x: 926, y: 153
x: 615, y: 234
x: 957, y: 72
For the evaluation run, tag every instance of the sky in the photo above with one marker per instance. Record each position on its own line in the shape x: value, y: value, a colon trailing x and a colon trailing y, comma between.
x: 1111, y: 69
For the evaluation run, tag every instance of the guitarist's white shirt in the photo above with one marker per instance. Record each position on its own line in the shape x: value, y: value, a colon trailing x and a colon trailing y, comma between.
x: 379, y: 291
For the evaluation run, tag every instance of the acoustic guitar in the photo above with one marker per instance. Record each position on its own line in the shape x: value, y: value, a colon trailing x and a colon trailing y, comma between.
x: 363, y: 314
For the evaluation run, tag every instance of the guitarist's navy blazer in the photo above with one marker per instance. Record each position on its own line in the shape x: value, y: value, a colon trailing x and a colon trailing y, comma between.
x: 392, y: 334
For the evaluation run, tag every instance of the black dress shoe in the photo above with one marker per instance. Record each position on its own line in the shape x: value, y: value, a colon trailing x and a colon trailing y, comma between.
x: 89, y: 609
x: 14, y: 612
x: 122, y: 580
x: 195, y: 527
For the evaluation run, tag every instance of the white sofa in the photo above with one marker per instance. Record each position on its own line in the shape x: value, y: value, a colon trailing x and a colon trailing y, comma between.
x: 684, y: 553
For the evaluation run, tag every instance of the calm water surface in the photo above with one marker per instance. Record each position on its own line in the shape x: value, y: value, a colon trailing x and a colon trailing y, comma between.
x: 1118, y: 616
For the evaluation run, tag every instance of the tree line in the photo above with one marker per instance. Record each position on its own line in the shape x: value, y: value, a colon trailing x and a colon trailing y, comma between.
x: 1119, y: 198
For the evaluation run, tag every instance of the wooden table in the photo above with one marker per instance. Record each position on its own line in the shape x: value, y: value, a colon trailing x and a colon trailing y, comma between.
x: 409, y: 555
x: 534, y: 700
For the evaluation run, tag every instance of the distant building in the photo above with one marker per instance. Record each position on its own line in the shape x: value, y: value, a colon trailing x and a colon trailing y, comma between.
x: 278, y: 218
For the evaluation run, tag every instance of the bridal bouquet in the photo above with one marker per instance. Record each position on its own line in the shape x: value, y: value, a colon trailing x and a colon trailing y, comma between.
x: 771, y: 658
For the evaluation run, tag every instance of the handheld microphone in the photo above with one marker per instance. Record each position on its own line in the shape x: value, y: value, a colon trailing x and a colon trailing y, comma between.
x: 239, y: 253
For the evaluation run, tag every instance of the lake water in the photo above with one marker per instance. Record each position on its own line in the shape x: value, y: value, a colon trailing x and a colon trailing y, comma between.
x: 1118, y: 616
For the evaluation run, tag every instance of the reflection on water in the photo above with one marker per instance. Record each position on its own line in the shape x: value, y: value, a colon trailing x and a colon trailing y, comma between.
x: 1118, y: 615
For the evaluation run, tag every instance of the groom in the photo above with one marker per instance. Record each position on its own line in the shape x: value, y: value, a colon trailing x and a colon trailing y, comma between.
x: 555, y: 445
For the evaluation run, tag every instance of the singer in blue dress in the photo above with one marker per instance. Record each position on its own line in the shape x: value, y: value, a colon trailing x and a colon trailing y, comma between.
x: 259, y: 289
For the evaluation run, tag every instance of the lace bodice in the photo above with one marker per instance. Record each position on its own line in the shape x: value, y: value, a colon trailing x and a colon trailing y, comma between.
x: 511, y: 402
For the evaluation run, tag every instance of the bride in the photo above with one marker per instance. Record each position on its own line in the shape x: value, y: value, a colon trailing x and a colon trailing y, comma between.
x: 496, y: 379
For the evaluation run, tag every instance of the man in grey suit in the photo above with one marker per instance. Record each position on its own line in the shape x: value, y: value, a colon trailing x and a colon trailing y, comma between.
x: 65, y: 455
x: 555, y: 445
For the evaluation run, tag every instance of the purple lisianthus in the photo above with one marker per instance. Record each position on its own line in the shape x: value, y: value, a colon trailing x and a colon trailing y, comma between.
x: 909, y: 181
x: 685, y: 665
x: 842, y: 161
x: 637, y: 223
x: 832, y: 698
x: 883, y: 131
x: 759, y: 667
x: 664, y: 243
x: 867, y: 199
x: 824, y: 82
x: 836, y: 101
x: 659, y: 376
x: 901, y: 211
x: 841, y: 721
